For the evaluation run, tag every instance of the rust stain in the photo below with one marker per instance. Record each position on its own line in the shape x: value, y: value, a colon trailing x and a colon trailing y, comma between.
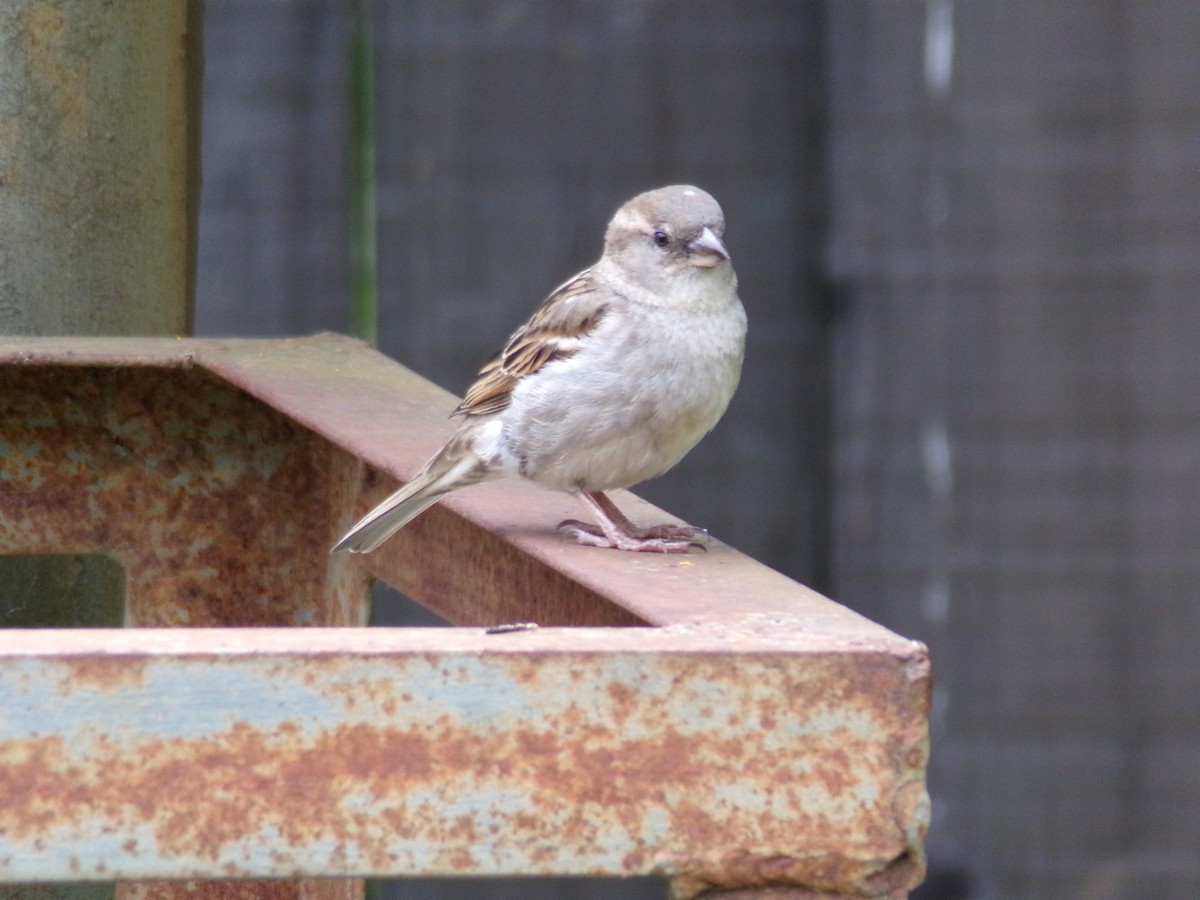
x: 247, y: 889
x: 103, y: 673
x: 584, y: 777
x: 214, y: 502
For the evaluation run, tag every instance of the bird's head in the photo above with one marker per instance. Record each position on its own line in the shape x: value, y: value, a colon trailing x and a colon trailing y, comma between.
x: 667, y: 233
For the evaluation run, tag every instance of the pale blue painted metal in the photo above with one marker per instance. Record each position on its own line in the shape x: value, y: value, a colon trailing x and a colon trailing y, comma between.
x: 195, y: 753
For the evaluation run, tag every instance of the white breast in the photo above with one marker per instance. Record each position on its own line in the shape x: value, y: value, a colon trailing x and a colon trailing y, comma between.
x: 642, y: 391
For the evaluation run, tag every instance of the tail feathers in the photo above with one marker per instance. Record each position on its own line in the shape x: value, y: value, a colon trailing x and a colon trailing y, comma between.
x: 387, y: 518
x: 410, y: 501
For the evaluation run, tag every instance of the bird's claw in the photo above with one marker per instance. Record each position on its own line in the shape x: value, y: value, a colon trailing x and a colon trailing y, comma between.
x: 657, y: 539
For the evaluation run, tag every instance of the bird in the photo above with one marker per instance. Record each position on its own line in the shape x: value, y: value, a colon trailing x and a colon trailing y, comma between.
x: 617, y: 375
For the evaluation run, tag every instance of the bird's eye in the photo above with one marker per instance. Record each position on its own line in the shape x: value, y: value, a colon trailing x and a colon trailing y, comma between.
x: 661, y: 239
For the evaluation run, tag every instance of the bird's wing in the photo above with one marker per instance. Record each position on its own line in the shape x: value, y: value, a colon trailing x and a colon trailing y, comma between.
x: 555, y: 331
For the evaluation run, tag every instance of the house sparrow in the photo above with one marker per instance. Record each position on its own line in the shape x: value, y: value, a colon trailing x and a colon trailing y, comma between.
x: 615, y: 377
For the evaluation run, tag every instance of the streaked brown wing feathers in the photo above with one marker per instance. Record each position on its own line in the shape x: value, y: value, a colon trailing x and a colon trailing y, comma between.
x: 553, y: 332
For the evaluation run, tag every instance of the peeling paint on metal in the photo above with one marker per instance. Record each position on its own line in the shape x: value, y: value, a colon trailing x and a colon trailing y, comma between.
x: 661, y: 756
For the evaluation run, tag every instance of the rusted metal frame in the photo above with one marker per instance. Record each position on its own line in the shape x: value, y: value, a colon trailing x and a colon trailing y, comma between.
x: 187, y: 753
x: 218, y: 506
x: 211, y: 500
x: 380, y: 423
x: 348, y: 423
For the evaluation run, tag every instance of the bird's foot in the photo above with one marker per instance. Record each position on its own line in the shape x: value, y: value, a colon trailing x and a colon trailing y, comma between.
x: 674, y: 532
x: 656, y: 539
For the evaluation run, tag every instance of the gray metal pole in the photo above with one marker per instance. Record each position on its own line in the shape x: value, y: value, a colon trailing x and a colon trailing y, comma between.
x: 94, y: 176
x: 98, y: 179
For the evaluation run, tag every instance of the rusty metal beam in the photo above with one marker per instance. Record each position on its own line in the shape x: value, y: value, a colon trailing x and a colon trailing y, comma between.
x: 178, y: 753
x: 758, y: 735
x: 217, y: 505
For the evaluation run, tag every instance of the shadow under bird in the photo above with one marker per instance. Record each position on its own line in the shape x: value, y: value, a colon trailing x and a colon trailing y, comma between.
x: 614, y: 378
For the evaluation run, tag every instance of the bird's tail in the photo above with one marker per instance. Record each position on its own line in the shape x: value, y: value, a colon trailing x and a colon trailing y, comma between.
x: 429, y: 486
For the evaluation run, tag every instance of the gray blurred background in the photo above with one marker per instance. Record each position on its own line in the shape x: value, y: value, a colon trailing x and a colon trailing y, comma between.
x: 968, y: 237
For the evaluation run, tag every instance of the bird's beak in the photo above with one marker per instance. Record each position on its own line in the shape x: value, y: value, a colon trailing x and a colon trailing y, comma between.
x: 706, y: 250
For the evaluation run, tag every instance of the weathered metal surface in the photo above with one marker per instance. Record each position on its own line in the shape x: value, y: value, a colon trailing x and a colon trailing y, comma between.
x: 762, y: 735
x: 210, y: 500
x: 290, y: 752
x: 214, y: 503
x: 244, y: 889
x: 487, y: 554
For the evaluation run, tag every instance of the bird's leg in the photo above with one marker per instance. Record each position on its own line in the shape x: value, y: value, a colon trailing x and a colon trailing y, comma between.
x: 618, y: 532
